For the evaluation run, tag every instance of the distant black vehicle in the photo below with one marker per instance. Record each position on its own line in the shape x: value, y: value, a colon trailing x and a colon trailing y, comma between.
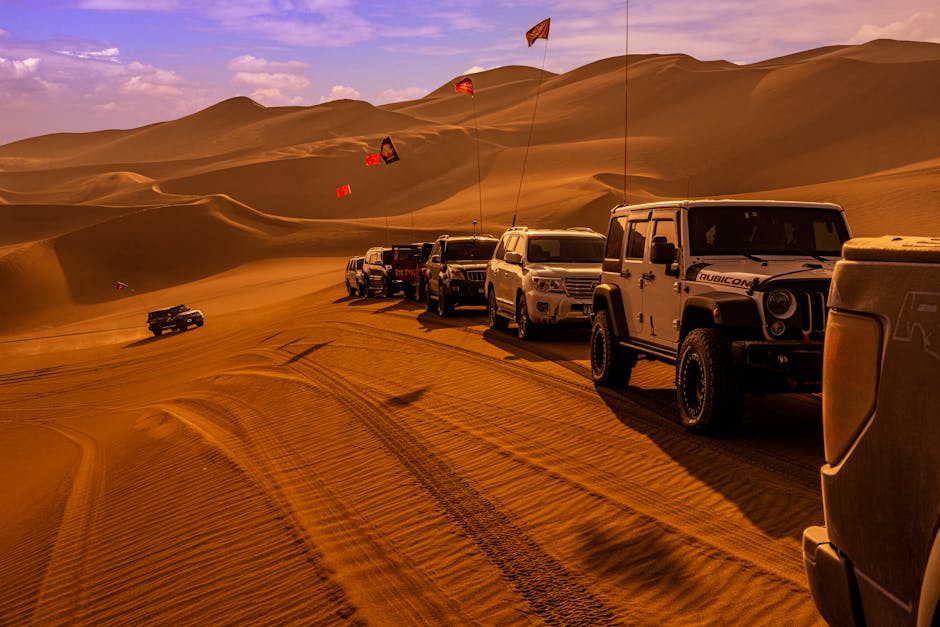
x: 179, y: 317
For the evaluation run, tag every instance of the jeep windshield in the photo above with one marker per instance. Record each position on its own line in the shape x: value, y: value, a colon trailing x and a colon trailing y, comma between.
x: 566, y: 249
x: 470, y: 250
x: 766, y: 230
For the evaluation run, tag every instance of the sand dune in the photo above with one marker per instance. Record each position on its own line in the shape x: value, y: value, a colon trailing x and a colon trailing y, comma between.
x: 311, y: 458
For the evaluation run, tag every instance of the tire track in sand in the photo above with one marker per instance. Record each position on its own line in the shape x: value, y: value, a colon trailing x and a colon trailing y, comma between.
x: 553, y: 592
x: 61, y: 596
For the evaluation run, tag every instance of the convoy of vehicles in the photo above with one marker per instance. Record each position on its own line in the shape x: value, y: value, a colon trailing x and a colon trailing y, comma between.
x: 877, y: 559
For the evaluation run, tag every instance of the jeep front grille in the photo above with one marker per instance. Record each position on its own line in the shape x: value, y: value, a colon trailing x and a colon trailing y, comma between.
x: 580, y: 288
x: 476, y: 275
x: 812, y: 307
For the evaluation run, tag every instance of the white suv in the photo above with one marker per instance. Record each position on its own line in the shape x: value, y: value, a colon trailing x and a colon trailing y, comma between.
x: 543, y: 276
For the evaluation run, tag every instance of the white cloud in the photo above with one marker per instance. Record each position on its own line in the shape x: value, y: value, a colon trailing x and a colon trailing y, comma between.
x: 474, y: 70
x: 398, y: 95
x: 921, y: 26
x: 128, y: 5
x: 108, y: 54
x: 279, y: 80
x: 274, y: 97
x: 340, y: 92
x: 248, y: 63
x: 19, y: 68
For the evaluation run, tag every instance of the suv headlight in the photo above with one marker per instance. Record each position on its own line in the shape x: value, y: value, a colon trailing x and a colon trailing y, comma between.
x: 781, y: 303
x: 548, y: 284
x: 457, y: 273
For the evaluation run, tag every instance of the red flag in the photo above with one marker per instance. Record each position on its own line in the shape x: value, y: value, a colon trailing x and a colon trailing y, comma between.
x: 539, y: 31
x: 343, y: 191
x: 373, y: 159
x: 388, y: 152
x: 120, y: 286
x: 465, y: 85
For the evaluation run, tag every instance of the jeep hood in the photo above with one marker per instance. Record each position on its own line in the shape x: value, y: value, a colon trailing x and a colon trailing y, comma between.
x: 741, y: 273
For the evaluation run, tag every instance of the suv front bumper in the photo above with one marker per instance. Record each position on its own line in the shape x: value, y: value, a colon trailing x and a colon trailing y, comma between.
x: 466, y: 292
x: 784, y: 366
x: 556, y: 308
x: 830, y: 578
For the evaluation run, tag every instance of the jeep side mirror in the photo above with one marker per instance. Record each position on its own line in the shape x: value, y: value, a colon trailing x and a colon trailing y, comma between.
x: 513, y: 257
x: 435, y: 258
x: 662, y: 252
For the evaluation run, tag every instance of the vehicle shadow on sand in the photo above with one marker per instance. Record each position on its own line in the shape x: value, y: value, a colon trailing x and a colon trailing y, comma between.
x: 430, y: 321
x: 779, y: 435
x: 152, y: 339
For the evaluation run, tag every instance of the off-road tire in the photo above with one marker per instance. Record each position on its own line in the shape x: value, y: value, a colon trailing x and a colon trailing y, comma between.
x: 409, y: 292
x: 200, y: 323
x: 181, y: 327
x: 350, y: 289
x: 362, y: 289
x: 387, y: 288
x: 494, y: 320
x: 157, y: 332
x: 611, y: 364
x: 428, y: 301
x: 525, y: 328
x: 445, y: 306
x: 707, y: 390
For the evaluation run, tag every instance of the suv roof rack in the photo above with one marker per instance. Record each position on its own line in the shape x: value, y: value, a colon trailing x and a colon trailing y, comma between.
x: 585, y: 229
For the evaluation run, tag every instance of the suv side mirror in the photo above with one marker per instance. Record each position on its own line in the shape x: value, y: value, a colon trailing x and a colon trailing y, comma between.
x: 662, y: 252
x: 435, y: 258
x: 512, y: 257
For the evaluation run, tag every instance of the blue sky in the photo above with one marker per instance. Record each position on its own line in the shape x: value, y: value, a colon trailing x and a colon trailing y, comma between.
x: 81, y: 65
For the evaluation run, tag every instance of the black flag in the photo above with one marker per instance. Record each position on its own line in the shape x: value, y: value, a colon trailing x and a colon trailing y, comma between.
x: 388, y: 152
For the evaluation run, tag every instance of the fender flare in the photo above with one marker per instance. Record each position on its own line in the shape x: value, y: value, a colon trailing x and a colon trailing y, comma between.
x: 608, y: 297
x: 928, y: 603
x: 726, y: 309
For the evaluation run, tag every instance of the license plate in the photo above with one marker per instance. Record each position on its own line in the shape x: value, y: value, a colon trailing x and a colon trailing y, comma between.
x: 588, y: 310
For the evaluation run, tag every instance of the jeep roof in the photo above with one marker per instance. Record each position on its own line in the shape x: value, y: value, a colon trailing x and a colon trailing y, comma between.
x: 727, y: 202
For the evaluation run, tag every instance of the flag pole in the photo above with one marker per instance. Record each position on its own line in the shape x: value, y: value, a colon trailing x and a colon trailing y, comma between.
x: 525, y: 158
x: 626, y: 92
x: 476, y: 140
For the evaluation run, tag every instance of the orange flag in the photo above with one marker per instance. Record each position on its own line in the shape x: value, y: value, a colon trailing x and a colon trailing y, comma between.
x: 539, y: 31
x: 465, y: 85
x: 343, y: 191
x: 373, y: 159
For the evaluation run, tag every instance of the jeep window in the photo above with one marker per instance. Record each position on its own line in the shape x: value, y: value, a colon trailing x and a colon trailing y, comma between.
x: 387, y: 256
x: 470, y: 250
x: 766, y: 230
x: 402, y: 253
x: 636, y: 240
x: 359, y: 264
x: 615, y: 238
x: 667, y: 229
x: 501, y: 248
x: 565, y: 249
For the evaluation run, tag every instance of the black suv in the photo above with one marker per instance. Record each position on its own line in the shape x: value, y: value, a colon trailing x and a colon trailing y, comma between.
x: 456, y: 272
x: 178, y: 317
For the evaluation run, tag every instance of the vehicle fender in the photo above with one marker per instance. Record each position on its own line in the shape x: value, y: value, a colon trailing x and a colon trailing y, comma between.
x: 608, y: 297
x: 929, y: 604
x: 724, y: 309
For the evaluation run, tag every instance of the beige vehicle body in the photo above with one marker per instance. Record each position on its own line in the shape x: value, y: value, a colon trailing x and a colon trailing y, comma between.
x: 877, y: 559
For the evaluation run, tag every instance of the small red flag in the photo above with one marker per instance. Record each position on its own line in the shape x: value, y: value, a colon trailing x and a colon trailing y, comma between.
x: 465, y: 85
x: 539, y: 31
x: 373, y: 159
x: 343, y: 191
x: 120, y: 286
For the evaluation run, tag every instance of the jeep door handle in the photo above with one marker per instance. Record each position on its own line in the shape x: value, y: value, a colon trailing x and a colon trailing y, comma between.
x: 648, y: 276
x: 626, y: 274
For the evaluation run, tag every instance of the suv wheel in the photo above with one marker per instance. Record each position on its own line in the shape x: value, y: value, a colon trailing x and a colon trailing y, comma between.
x: 445, y: 306
x: 428, y: 302
x: 495, y: 320
x: 362, y: 289
x: 156, y: 331
x: 611, y: 364
x: 350, y: 288
x: 709, y: 398
x: 527, y: 329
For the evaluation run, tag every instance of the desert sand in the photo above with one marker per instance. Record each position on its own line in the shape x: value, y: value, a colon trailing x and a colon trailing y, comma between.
x: 309, y: 457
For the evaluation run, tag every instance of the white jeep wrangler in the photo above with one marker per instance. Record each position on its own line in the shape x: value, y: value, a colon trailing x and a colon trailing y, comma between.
x: 733, y: 292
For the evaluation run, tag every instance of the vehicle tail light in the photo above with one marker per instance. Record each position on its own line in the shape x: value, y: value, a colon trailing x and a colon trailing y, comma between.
x: 851, y: 367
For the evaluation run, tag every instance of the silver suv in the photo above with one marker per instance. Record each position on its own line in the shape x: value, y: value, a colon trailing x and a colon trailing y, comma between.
x: 877, y: 560
x: 732, y: 292
x: 541, y: 277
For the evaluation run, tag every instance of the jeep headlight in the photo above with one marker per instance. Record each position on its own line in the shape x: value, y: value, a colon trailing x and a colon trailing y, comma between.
x: 548, y: 284
x: 457, y: 273
x: 781, y: 303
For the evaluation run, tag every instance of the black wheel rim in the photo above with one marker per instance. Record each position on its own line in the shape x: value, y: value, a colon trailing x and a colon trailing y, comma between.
x: 491, y: 309
x: 694, y: 385
x: 522, y: 319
